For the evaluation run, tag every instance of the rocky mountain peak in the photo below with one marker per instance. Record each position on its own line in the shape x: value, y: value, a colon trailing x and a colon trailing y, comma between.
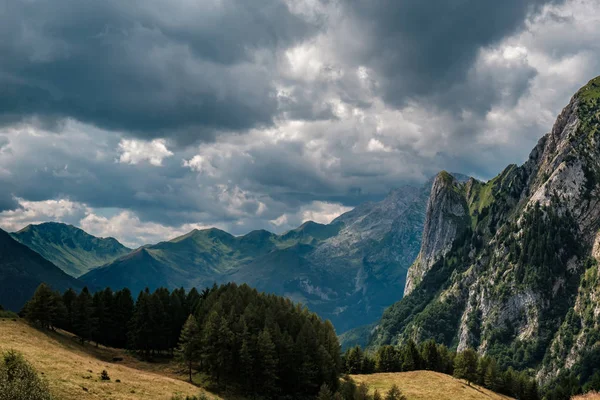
x: 446, y: 217
x: 521, y: 284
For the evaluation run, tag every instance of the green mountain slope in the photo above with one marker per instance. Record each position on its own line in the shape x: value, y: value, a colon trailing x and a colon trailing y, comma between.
x: 22, y: 270
x: 509, y: 266
x: 70, y: 248
x: 348, y: 271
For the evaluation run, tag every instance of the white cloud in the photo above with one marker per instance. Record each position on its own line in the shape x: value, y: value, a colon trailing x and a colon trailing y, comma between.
x: 135, y: 151
x: 318, y: 211
x: 201, y: 164
x: 35, y: 212
x: 322, y: 212
x: 129, y: 230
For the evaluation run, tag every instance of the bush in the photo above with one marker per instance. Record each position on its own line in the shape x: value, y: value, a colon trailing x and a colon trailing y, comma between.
x: 5, y: 314
x: 104, y: 375
x: 18, y: 379
x: 201, y: 397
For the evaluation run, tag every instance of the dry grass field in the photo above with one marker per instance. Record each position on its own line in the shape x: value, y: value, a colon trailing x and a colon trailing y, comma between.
x: 73, y: 371
x: 427, y: 385
x: 588, y: 396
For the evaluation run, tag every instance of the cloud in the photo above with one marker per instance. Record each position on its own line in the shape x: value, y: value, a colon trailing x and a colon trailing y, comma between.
x: 153, y: 68
x: 129, y: 230
x: 36, y: 212
x: 317, y: 211
x: 135, y: 151
x: 421, y: 48
x: 305, y: 109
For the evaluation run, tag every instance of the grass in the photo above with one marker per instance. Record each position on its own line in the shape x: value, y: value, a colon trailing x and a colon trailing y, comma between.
x: 427, y: 385
x: 588, y: 396
x: 591, y: 91
x: 73, y: 371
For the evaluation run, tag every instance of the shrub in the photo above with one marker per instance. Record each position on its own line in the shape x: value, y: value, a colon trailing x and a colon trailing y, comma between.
x: 104, y: 375
x: 201, y: 397
x: 18, y: 379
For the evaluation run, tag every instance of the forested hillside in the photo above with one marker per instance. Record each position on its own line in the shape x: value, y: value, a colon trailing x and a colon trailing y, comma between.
x: 509, y: 266
x: 243, y: 341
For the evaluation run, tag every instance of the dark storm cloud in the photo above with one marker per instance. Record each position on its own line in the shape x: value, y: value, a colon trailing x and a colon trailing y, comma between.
x: 421, y: 49
x: 152, y: 68
x: 7, y: 201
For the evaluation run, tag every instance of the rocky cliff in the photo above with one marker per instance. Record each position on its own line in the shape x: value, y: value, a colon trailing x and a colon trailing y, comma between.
x: 520, y: 281
x: 447, y: 217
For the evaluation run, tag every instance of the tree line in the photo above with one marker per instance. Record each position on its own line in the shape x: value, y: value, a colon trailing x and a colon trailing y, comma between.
x: 429, y: 355
x: 244, y: 341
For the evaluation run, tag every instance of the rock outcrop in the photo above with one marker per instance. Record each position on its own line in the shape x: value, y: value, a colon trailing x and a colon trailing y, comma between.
x: 521, y: 283
x: 447, y: 217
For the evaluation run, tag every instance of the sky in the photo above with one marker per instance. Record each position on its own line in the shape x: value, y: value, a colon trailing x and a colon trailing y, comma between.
x: 145, y: 119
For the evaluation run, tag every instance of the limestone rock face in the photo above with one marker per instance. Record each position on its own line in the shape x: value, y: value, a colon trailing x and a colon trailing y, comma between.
x: 447, y: 216
x: 520, y: 280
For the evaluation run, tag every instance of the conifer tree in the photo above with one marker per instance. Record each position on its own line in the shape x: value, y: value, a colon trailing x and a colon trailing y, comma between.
x: 491, y: 376
x: 325, y: 393
x: 354, y: 360
x: 100, y: 318
x: 45, y: 308
x: 122, y: 314
x: 188, y: 350
x: 465, y: 366
x: 394, y: 394
x: 268, y: 361
x: 69, y: 298
x: 410, y: 356
x: 247, y: 360
x: 430, y: 355
x: 362, y: 392
x: 141, y: 325
x: 377, y: 395
x: 387, y: 359
x: 83, y: 322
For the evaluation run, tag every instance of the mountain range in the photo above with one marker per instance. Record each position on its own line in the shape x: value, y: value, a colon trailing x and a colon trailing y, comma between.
x: 510, y: 266
x: 70, y: 248
x: 348, y: 271
x: 22, y: 270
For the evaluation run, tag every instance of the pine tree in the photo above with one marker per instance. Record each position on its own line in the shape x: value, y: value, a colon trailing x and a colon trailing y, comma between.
x: 141, y: 325
x: 394, y: 394
x: 247, y: 360
x: 45, y: 308
x: 491, y: 376
x: 377, y: 395
x: 210, y: 337
x: 122, y: 313
x: 362, y: 392
x: 465, y: 366
x: 69, y: 298
x: 188, y: 350
x: 354, y: 360
x: 268, y: 362
x: 387, y: 359
x: 430, y: 355
x: 325, y: 393
x: 83, y: 322
x: 411, y: 359
x: 100, y: 317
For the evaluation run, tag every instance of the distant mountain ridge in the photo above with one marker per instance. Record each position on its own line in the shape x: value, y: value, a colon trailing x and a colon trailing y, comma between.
x: 347, y: 271
x: 70, y: 248
x: 22, y: 270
